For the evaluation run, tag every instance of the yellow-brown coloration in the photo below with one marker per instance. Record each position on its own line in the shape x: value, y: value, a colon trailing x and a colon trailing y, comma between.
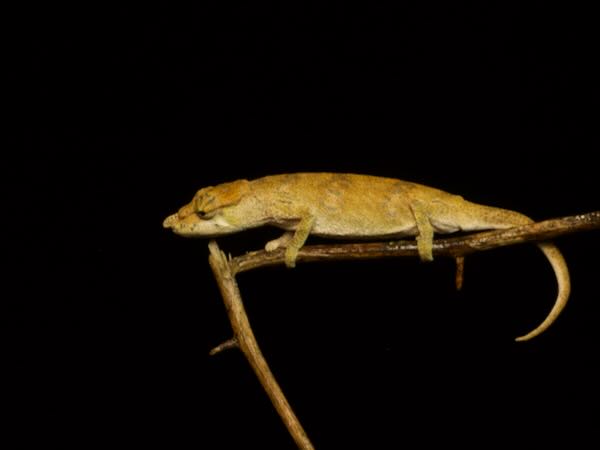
x: 349, y: 206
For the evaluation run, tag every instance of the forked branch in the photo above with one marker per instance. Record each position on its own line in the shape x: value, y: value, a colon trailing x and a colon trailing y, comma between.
x: 225, y: 270
x: 245, y: 340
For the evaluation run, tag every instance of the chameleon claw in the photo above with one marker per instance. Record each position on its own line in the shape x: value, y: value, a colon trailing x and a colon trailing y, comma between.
x: 290, y: 257
x: 425, y: 249
x: 282, y: 241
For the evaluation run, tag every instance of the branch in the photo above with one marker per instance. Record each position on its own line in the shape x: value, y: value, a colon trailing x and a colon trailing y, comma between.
x: 453, y: 247
x: 225, y: 270
x: 245, y: 340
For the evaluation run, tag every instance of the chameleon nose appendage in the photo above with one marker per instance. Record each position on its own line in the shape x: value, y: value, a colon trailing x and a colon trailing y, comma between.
x: 170, y: 221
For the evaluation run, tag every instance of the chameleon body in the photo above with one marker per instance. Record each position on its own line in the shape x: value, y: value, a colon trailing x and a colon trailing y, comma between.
x: 349, y: 206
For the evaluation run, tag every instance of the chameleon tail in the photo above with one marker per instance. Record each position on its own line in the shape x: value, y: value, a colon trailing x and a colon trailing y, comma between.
x: 564, y: 288
x: 502, y: 218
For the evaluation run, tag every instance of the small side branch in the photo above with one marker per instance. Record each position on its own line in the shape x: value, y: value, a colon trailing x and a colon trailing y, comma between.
x: 230, y: 343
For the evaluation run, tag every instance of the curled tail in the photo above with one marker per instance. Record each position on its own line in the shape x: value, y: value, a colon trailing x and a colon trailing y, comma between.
x: 501, y: 218
x: 564, y: 288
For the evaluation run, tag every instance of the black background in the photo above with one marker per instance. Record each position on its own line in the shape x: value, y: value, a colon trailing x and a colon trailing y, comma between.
x: 123, y: 114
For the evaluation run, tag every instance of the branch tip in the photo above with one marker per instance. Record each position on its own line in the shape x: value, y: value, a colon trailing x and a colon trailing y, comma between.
x: 228, y: 344
x: 460, y: 271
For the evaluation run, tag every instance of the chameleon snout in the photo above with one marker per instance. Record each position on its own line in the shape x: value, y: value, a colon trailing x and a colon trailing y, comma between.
x: 180, y: 222
x: 170, y: 221
x: 184, y: 213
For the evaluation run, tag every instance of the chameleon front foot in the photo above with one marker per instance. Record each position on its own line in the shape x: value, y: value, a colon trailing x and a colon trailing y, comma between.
x: 285, y: 241
x: 294, y: 240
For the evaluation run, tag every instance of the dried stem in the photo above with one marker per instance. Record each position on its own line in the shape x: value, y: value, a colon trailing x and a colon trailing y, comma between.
x: 454, y: 247
x: 225, y: 271
x: 230, y: 343
x: 245, y: 340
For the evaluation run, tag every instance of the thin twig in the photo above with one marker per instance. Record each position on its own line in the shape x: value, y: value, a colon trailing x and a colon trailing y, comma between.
x: 460, y: 272
x: 244, y: 338
x: 228, y: 344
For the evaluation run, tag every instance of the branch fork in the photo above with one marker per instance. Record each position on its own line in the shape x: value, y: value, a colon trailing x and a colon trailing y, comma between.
x: 226, y: 268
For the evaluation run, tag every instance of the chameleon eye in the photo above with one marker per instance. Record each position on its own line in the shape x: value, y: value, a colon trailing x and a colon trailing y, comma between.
x: 205, y: 215
x: 200, y: 206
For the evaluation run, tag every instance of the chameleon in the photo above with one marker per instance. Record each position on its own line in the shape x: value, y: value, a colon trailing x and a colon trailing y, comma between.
x: 350, y: 206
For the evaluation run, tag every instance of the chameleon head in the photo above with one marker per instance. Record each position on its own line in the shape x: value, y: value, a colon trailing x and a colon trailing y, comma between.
x: 204, y: 216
